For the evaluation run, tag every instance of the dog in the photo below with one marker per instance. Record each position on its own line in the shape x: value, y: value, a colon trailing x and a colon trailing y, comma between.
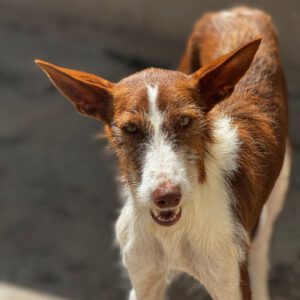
x: 203, y: 155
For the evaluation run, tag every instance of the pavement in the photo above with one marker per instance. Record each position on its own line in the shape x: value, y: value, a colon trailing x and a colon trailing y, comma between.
x: 59, y: 195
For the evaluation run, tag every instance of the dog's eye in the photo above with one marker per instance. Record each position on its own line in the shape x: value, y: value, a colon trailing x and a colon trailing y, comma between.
x: 184, y: 122
x: 130, y: 128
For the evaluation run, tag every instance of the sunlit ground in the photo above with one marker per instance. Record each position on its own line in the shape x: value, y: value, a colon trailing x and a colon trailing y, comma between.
x: 12, y: 292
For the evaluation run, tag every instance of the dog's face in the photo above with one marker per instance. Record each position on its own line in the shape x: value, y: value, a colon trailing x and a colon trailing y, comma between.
x: 157, y: 121
x: 159, y: 133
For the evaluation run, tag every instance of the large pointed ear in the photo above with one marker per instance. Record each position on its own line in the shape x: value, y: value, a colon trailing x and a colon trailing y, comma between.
x: 90, y: 94
x: 216, y: 80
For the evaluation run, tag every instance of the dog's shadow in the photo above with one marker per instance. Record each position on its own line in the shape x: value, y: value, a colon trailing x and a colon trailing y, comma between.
x: 185, y: 287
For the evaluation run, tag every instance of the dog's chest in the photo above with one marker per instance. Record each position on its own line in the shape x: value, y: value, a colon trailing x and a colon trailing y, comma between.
x: 205, y: 233
x: 207, y: 229
x: 178, y: 255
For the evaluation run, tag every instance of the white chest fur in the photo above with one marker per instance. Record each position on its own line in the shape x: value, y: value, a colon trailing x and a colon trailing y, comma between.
x: 207, y: 241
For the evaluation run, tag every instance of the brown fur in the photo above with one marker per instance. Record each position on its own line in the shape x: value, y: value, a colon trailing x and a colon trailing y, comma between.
x: 219, y: 53
x: 258, y: 106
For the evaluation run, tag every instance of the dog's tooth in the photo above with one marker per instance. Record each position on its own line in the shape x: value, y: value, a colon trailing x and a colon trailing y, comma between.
x: 174, y: 214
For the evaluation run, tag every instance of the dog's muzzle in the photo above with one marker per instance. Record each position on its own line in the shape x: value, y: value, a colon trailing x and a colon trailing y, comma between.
x: 166, y: 201
x: 166, y: 217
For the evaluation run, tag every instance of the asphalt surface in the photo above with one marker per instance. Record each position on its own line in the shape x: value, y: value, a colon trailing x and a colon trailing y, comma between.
x: 59, y: 195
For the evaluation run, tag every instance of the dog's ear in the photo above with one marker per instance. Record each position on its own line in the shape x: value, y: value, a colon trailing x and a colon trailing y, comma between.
x: 90, y: 94
x: 216, y: 80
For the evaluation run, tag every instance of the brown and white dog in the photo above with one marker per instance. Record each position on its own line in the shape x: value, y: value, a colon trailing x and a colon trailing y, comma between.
x: 202, y: 154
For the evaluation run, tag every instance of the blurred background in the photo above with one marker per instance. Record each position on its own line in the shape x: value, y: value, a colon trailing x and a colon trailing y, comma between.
x: 58, y: 187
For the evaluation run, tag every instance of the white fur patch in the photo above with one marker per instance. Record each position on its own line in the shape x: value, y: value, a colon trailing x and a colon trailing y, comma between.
x: 155, y: 114
x: 226, y: 149
x: 162, y: 164
x: 206, y: 242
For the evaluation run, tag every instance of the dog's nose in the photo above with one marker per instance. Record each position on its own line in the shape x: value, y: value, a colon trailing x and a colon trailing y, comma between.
x: 167, y: 196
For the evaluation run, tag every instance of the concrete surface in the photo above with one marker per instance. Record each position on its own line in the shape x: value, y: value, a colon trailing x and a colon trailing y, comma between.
x: 58, y: 189
x: 12, y: 292
x: 170, y: 20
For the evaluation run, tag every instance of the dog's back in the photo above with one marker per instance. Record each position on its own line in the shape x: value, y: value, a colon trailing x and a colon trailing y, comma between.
x: 258, y: 108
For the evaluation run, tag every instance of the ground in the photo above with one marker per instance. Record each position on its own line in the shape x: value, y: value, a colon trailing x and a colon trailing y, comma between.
x: 59, y: 196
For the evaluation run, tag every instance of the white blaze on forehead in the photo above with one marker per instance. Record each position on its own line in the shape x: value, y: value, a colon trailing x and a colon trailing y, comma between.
x: 155, y: 115
x: 162, y: 164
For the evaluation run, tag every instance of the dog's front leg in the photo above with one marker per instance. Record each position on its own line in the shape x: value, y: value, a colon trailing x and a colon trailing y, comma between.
x: 147, y: 273
x: 143, y: 257
x: 225, y: 279
x: 147, y: 278
x: 148, y: 286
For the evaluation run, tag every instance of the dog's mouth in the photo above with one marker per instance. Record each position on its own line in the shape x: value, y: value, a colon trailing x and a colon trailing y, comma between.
x: 166, y: 217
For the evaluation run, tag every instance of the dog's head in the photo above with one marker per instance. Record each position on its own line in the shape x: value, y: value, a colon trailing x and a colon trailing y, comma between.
x: 157, y: 121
